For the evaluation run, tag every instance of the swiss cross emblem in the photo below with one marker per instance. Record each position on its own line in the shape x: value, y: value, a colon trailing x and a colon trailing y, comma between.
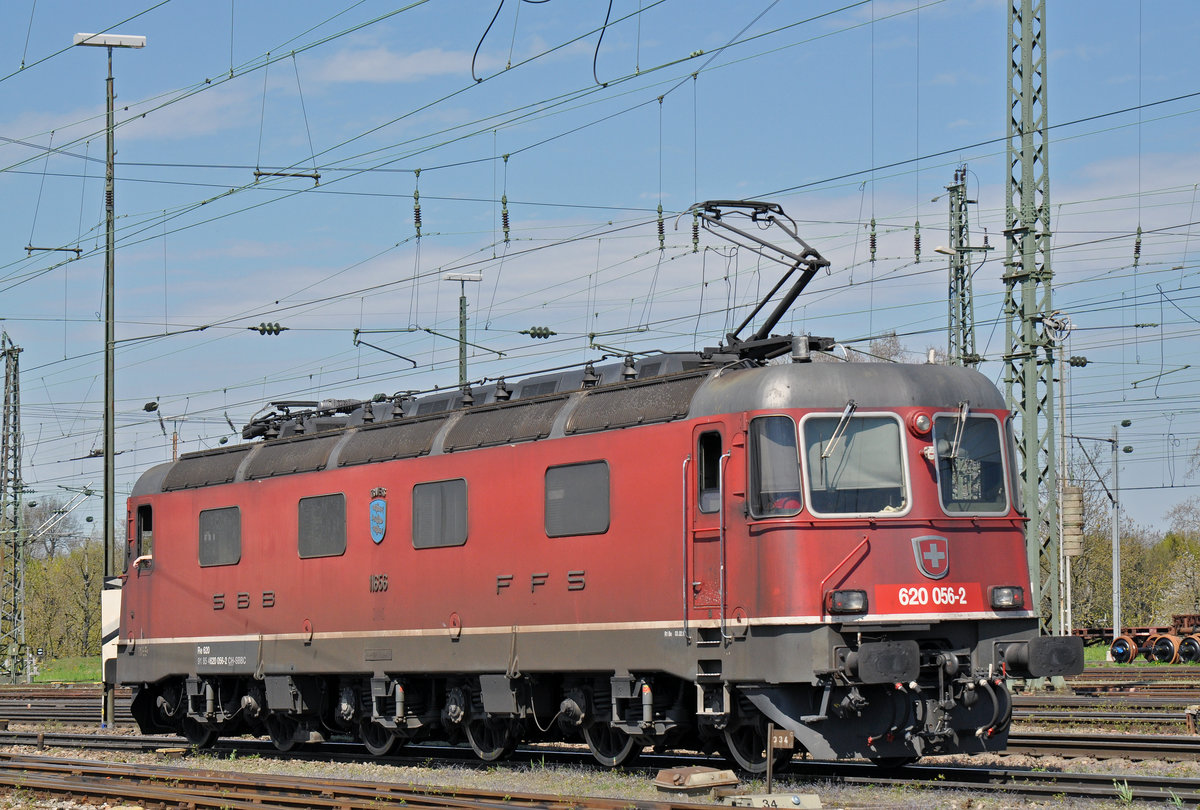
x: 933, y: 555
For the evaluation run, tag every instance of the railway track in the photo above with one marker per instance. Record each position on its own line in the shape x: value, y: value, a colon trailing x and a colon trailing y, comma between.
x: 201, y: 788
x: 1164, y: 681
x: 1136, y: 747
x: 207, y: 788
x: 1034, y: 784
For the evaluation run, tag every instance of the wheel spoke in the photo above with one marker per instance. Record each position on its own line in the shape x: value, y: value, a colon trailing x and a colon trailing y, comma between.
x: 746, y: 746
x: 379, y: 741
x: 609, y: 746
x: 198, y: 734
x: 282, y: 730
x: 491, y: 739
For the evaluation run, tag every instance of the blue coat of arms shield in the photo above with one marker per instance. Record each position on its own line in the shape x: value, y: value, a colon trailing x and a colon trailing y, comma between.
x: 378, y: 519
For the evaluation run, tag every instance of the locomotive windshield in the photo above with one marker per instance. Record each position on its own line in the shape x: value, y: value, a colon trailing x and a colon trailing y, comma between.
x: 970, y: 466
x: 855, y: 465
x: 774, y: 467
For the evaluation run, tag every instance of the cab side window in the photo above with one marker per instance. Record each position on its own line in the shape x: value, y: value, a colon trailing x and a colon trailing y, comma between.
x: 143, y: 544
x: 708, y: 472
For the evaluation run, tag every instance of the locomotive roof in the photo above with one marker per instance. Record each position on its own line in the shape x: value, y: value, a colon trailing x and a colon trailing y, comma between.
x: 686, y: 393
x: 831, y: 385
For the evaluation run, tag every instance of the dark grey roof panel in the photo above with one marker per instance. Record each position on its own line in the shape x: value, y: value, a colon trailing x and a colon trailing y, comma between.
x: 204, y: 469
x: 658, y: 399
x: 519, y: 421
x: 830, y: 385
x: 303, y: 454
x: 406, y: 438
x: 150, y: 482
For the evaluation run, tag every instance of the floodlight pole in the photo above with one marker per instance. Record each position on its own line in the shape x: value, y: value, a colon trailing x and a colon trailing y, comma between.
x: 109, y: 41
x: 1116, y: 529
x: 110, y: 260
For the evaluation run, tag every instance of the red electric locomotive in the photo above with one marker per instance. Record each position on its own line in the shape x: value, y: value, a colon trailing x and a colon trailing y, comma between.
x: 674, y: 551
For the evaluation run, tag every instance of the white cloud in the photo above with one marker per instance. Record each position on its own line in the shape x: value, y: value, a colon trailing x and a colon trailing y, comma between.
x: 382, y: 65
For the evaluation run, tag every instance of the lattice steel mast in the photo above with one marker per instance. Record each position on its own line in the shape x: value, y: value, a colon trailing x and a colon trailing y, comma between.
x: 1029, y: 373
x: 961, y: 321
x: 12, y: 536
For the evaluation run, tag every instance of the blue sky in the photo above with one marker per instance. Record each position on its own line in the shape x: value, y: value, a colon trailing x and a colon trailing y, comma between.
x: 841, y: 112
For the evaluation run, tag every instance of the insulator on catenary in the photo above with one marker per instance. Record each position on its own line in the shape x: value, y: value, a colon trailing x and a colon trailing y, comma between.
x: 504, y: 201
x: 417, y: 204
x: 662, y: 231
x: 1137, y: 247
x: 695, y: 232
x: 873, y: 241
x: 917, y: 241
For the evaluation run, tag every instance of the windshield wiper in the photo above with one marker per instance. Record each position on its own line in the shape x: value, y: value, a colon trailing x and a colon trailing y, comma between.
x: 842, y: 424
x: 964, y: 408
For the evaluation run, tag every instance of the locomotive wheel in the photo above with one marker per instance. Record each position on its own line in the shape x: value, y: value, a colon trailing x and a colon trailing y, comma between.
x: 379, y: 741
x: 198, y: 734
x: 746, y: 745
x: 491, y: 739
x: 611, y: 747
x: 282, y: 731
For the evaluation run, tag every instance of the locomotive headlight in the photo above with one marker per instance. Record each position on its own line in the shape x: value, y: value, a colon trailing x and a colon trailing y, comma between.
x: 1008, y: 597
x: 920, y: 424
x: 846, y: 602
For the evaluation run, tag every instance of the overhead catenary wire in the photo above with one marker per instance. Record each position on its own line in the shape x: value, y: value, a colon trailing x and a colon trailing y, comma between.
x: 694, y: 85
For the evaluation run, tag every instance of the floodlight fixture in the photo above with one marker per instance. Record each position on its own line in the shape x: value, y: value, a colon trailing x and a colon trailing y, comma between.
x: 110, y: 40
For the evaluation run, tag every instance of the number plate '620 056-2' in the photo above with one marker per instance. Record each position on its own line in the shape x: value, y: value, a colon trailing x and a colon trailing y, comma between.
x: 941, y: 598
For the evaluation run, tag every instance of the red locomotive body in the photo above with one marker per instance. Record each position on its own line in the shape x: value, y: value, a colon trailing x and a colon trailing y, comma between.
x: 675, y: 557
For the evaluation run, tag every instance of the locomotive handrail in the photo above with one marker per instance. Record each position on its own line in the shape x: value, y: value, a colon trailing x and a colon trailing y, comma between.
x: 722, y: 463
x: 821, y: 588
x: 687, y: 530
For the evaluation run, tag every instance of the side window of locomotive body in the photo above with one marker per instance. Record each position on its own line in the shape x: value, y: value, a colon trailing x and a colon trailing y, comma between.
x: 855, y: 465
x: 1014, y: 475
x: 774, y: 467
x: 577, y: 499
x: 220, y: 536
x: 439, y: 514
x: 970, y: 464
x: 143, y: 543
x: 322, y: 523
x: 708, y: 472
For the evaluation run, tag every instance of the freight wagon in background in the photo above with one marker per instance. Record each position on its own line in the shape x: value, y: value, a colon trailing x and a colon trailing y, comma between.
x: 1178, y: 643
x: 670, y: 551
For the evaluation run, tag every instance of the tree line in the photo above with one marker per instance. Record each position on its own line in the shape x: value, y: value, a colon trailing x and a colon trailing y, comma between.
x: 64, y: 573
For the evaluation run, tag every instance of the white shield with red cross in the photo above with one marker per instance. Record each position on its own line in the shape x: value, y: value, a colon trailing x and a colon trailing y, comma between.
x: 933, y: 555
